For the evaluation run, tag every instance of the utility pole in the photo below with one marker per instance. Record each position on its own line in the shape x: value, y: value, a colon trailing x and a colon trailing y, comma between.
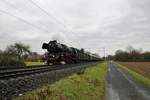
x: 104, y: 50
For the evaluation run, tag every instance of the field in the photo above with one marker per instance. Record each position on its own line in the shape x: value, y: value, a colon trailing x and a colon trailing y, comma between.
x: 34, y: 63
x: 142, y: 68
x: 87, y: 86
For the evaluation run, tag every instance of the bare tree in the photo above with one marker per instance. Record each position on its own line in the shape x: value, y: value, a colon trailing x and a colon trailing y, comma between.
x: 130, y: 49
x: 18, y: 49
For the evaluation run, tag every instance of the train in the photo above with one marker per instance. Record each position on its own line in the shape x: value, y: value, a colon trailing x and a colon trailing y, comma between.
x: 57, y: 53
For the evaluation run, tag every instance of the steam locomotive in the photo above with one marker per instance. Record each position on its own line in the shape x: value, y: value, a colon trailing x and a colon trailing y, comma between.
x: 57, y: 52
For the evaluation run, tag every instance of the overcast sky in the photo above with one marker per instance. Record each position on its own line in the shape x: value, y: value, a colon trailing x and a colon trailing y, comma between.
x: 89, y: 24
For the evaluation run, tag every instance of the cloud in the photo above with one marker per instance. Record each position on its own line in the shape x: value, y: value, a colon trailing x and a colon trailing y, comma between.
x: 89, y: 24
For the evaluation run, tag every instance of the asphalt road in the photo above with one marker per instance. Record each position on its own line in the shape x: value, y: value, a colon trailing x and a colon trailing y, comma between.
x: 120, y: 86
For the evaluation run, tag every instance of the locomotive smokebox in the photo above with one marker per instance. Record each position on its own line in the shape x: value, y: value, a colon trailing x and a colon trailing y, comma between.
x: 44, y: 46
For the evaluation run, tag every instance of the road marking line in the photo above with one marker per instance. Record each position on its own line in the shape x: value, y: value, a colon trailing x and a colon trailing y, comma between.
x: 109, y: 69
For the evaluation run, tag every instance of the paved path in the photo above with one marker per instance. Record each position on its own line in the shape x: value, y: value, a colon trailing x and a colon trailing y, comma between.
x: 119, y: 86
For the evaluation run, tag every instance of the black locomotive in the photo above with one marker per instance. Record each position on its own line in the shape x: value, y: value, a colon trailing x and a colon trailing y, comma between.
x: 57, y: 53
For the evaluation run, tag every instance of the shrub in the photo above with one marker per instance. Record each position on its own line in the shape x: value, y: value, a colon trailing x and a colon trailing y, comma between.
x: 10, y: 60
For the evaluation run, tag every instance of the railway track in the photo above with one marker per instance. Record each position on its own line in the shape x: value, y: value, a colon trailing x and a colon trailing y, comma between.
x: 14, y: 73
x: 2, y: 68
x: 14, y: 82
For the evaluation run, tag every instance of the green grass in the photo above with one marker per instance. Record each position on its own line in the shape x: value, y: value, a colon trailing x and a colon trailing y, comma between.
x: 87, y: 86
x: 138, y: 77
x: 34, y: 63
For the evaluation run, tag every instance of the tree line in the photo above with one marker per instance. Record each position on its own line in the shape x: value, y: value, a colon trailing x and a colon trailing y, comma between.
x: 130, y: 54
x: 16, y: 54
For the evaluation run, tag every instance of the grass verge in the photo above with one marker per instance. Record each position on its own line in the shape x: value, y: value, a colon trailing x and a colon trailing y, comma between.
x: 138, y: 77
x: 87, y: 86
x: 34, y: 63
